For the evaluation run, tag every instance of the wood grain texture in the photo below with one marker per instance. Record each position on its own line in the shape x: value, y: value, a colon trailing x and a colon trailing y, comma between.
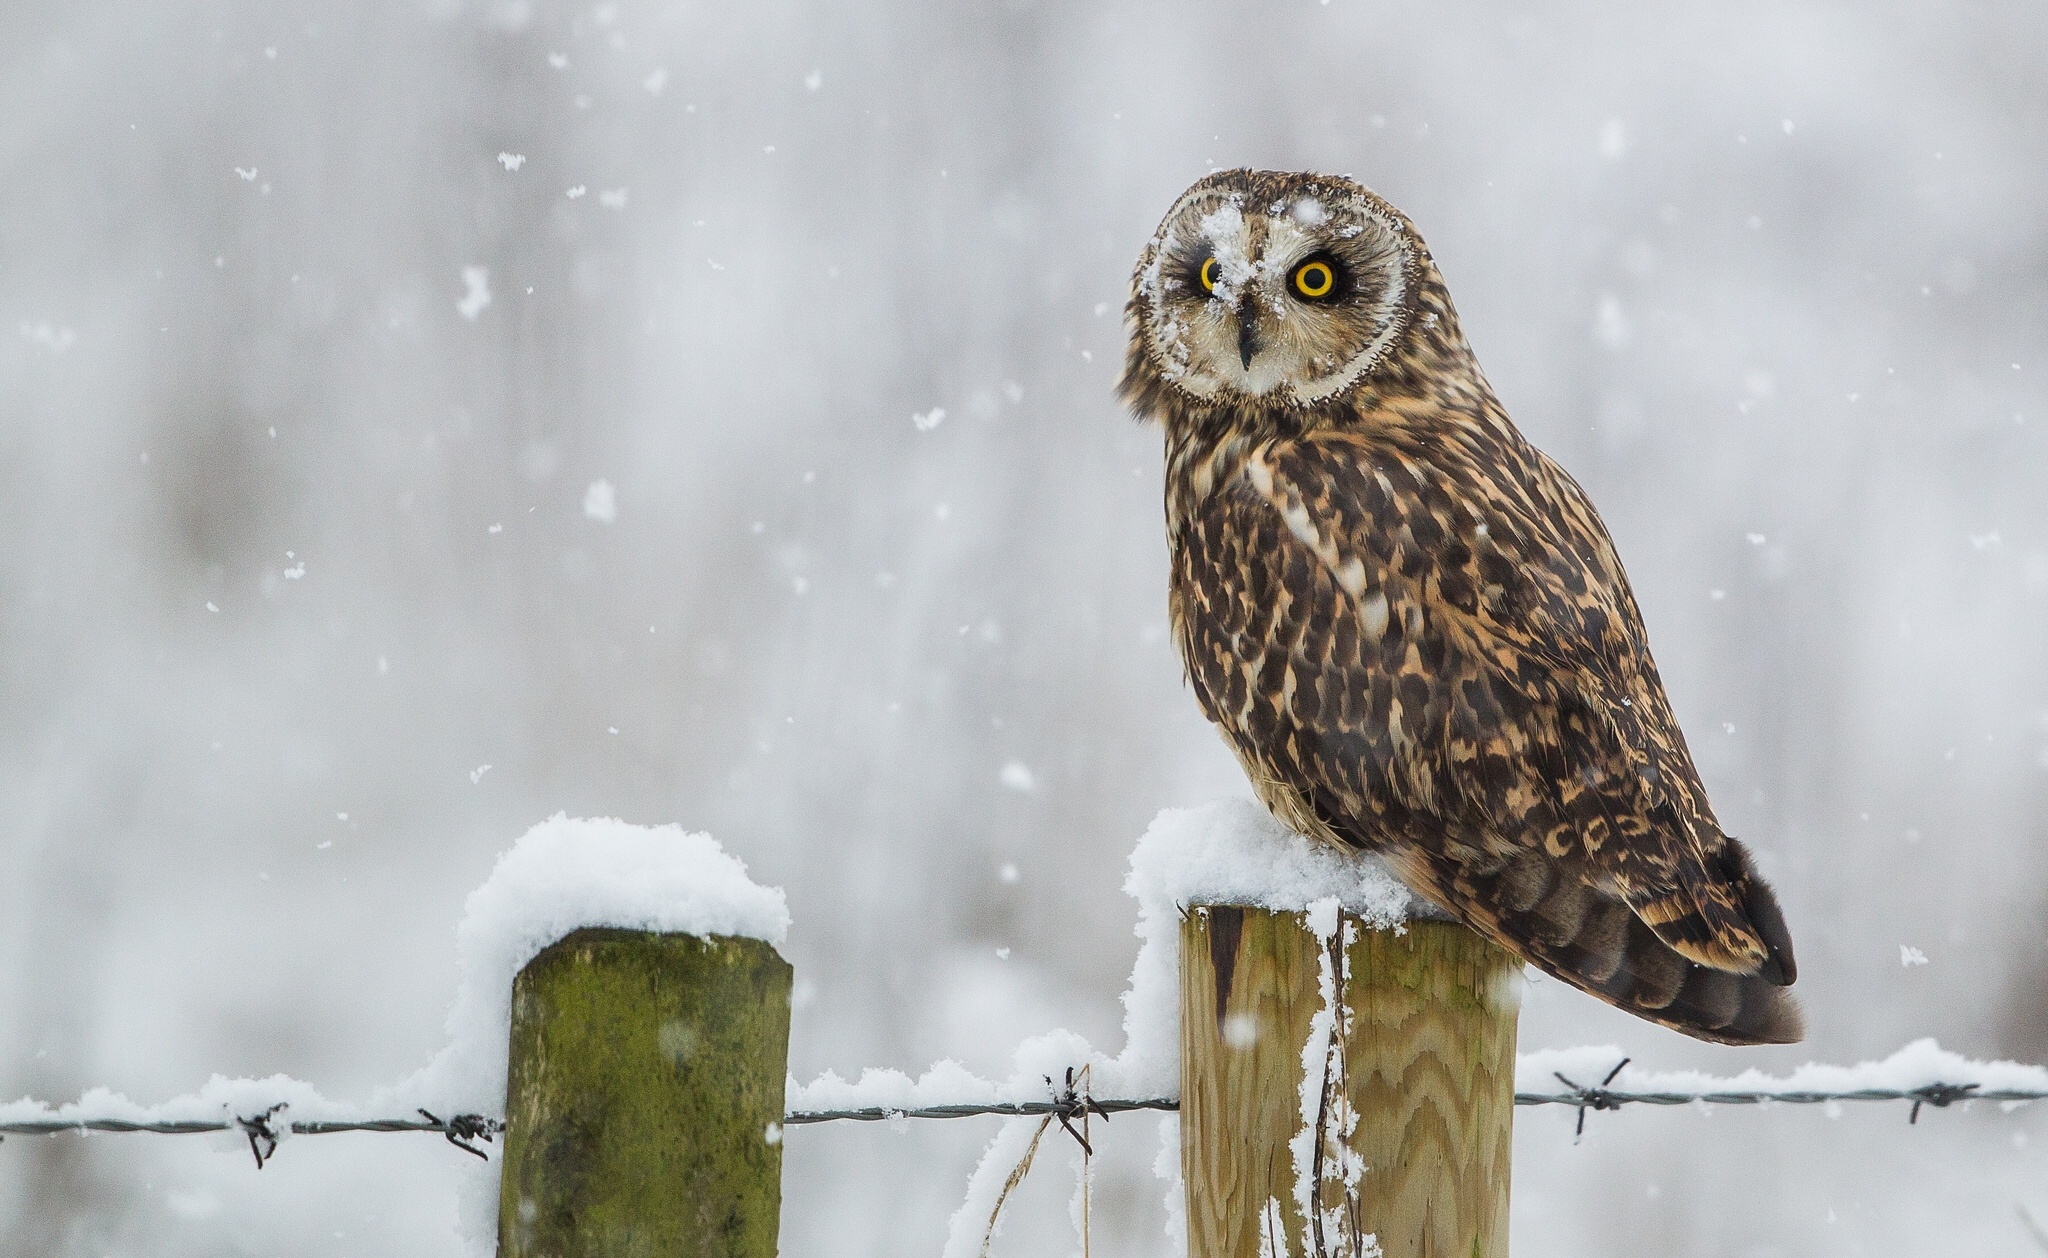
x: 1428, y: 1066
x: 643, y: 1106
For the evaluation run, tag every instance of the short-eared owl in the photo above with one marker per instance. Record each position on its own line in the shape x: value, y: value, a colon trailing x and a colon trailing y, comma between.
x: 1411, y: 625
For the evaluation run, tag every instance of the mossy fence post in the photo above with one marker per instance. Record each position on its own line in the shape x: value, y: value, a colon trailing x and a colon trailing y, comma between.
x: 643, y: 1103
x: 1426, y: 1068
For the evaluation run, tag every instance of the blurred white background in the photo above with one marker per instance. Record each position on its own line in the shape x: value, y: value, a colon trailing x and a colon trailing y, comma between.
x: 1768, y: 278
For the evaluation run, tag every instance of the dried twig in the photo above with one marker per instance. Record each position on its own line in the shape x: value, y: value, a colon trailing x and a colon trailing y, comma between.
x: 1017, y: 1174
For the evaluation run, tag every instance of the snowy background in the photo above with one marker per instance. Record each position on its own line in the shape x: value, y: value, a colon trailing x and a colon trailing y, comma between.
x: 1769, y: 280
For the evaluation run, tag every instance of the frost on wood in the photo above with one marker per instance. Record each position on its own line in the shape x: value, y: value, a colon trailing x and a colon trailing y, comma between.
x: 1321, y: 1150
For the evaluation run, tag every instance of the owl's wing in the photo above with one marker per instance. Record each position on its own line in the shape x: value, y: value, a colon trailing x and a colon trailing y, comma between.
x: 1456, y: 674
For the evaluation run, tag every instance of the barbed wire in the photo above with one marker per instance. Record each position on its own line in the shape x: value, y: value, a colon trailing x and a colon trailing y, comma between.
x: 1069, y: 1108
x: 1599, y: 1097
x: 267, y: 1129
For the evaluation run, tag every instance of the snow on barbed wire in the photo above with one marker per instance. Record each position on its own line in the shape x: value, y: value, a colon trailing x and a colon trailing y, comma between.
x: 1919, y: 1065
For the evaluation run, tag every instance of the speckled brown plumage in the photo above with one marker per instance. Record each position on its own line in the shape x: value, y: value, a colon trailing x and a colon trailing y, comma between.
x: 1410, y: 624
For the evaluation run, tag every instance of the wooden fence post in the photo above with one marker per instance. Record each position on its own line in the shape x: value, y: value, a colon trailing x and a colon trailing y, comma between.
x: 1427, y: 1068
x: 643, y: 1103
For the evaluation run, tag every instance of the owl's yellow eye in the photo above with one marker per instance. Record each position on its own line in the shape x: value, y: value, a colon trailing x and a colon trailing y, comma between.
x: 1314, y: 278
x: 1208, y: 274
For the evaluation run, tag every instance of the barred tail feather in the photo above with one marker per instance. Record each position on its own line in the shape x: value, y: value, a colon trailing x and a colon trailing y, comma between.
x: 1568, y: 928
x: 1722, y: 914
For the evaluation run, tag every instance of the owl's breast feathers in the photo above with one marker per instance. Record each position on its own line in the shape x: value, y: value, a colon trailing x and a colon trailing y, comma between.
x: 1419, y: 640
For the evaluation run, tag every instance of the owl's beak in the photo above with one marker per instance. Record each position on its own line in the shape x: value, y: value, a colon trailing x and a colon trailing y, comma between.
x: 1247, y: 334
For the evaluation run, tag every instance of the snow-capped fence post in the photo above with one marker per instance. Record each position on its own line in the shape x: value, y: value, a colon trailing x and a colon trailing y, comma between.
x: 643, y: 1104
x: 1422, y: 1061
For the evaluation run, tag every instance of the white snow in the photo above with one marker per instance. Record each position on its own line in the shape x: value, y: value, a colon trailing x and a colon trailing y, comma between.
x: 1018, y: 777
x: 220, y: 1100
x: 511, y: 161
x: 971, y: 1221
x: 1910, y: 956
x: 48, y: 338
x: 1224, y: 228
x: 601, y: 502
x: 1316, y: 1066
x: 1166, y: 1169
x: 473, y: 302
x: 1915, y: 1066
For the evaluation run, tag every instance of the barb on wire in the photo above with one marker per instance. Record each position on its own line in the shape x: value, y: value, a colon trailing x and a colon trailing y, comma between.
x: 1600, y: 1097
x: 267, y: 1129
x: 1595, y: 1098
x: 1066, y: 1105
x: 1070, y: 1105
x: 1009, y: 1109
x: 1940, y: 1096
x: 464, y: 1128
x: 263, y: 1133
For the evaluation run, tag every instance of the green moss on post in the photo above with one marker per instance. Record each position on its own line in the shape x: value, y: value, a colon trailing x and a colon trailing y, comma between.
x: 643, y: 1105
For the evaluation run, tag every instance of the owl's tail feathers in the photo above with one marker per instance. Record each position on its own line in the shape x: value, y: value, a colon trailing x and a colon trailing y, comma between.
x: 1723, y: 915
x: 1551, y: 917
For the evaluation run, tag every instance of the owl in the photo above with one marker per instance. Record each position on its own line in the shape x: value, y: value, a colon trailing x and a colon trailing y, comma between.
x: 1410, y: 624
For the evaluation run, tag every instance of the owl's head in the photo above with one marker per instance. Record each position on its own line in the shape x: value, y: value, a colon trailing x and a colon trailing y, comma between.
x: 1280, y: 288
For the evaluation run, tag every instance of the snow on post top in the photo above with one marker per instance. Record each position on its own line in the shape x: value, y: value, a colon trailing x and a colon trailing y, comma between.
x: 1234, y: 852
x: 569, y: 872
x: 1228, y: 852
x: 564, y: 874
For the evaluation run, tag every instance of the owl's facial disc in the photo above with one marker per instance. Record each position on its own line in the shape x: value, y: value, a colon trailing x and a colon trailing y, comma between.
x: 1291, y: 296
